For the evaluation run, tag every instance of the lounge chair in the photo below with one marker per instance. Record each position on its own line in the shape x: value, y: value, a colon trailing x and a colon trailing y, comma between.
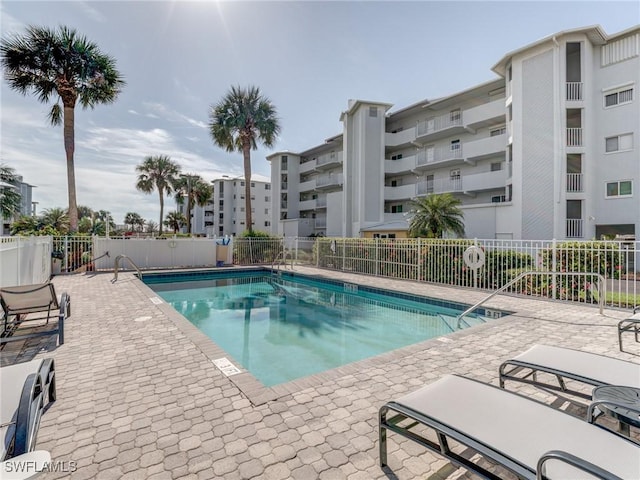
x: 20, y: 303
x: 26, y: 390
x: 527, y: 438
x: 631, y: 324
x: 566, y: 363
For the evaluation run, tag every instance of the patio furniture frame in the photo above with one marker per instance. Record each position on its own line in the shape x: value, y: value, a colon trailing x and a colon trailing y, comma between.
x: 23, y: 301
x: 631, y: 324
x: 526, y: 437
x: 566, y: 363
x: 27, y: 390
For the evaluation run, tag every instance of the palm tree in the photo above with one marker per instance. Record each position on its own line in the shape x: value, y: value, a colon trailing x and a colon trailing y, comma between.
x: 9, y: 195
x: 61, y: 63
x: 175, y: 220
x: 241, y: 118
x: 158, y: 172
x: 152, y: 227
x: 134, y: 219
x: 56, y: 218
x: 436, y: 214
x: 195, y: 189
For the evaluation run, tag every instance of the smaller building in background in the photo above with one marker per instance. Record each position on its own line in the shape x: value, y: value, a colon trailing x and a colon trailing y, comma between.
x: 27, y: 205
x: 225, y: 215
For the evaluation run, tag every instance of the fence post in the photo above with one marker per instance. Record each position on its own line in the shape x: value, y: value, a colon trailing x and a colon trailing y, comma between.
x: 475, y: 270
x: 419, y: 279
x: 553, y: 269
x: 65, y: 267
x: 377, y: 257
x: 344, y: 246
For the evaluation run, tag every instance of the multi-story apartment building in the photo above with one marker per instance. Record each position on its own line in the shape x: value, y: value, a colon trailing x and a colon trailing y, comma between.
x: 27, y: 205
x: 547, y: 150
x: 224, y: 213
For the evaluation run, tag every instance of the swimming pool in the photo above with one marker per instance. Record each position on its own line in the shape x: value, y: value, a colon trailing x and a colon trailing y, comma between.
x: 281, y: 328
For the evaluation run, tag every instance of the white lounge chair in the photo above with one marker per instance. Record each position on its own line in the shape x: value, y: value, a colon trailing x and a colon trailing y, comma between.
x: 566, y: 363
x: 26, y: 389
x: 528, y: 438
x: 20, y: 303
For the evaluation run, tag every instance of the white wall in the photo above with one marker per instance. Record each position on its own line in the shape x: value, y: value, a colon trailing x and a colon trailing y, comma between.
x: 25, y: 260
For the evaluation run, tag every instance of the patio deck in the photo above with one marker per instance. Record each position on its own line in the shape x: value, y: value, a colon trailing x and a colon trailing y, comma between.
x: 139, y: 396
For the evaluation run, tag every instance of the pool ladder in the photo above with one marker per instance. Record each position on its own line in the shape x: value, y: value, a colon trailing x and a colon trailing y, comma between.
x: 116, y: 264
x: 282, y: 256
x: 602, y: 289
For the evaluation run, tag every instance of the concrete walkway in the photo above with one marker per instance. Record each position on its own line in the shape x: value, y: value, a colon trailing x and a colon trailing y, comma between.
x: 139, y: 396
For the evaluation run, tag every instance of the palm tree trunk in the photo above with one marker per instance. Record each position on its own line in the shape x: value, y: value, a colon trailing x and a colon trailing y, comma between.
x: 246, y: 154
x: 69, y: 148
x: 189, y: 212
x: 161, y: 193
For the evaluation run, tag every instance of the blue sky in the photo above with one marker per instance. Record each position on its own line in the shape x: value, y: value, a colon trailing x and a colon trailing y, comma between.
x: 179, y: 58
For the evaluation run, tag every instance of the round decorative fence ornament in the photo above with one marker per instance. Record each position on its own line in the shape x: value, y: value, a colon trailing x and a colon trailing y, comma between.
x: 473, y: 257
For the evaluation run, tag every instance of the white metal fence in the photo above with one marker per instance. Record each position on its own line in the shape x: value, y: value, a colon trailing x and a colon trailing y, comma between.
x: 443, y: 262
x: 24, y: 260
x: 440, y: 261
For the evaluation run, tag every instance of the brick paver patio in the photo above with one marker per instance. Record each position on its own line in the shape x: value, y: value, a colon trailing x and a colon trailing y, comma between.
x: 140, y: 398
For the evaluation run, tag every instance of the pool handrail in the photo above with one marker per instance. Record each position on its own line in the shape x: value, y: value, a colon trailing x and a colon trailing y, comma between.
x: 117, y: 262
x: 601, y: 289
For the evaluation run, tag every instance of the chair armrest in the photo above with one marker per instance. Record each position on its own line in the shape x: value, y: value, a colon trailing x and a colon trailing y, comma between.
x: 574, y: 461
x: 28, y: 415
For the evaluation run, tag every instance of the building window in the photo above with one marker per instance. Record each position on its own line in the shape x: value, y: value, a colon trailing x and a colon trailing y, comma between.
x: 373, y: 111
x: 619, y: 143
x: 498, y: 131
x: 455, y: 145
x: 221, y: 216
x: 253, y: 184
x: 496, y: 166
x: 242, y: 209
x: 396, y: 208
x: 266, y: 211
x: 455, y: 115
x: 498, y: 198
x: 267, y: 223
x: 267, y: 186
x: 622, y: 188
x: 384, y: 235
x: 242, y: 184
x: 396, y: 157
x: 620, y: 96
x: 455, y: 174
x: 267, y: 198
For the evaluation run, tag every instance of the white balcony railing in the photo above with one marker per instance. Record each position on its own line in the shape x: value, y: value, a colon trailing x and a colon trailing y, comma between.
x: 436, y: 124
x: 321, y: 202
x: 574, y: 137
x: 574, y: 182
x: 428, y: 156
x: 401, y: 192
x: 405, y: 164
x: 330, y: 180
x: 440, y: 185
x: 485, y: 147
x: 574, y: 228
x: 329, y: 159
x: 321, y: 222
x: 574, y: 91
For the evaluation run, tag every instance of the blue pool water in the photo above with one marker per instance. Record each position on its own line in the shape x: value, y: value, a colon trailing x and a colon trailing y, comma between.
x: 287, y: 327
